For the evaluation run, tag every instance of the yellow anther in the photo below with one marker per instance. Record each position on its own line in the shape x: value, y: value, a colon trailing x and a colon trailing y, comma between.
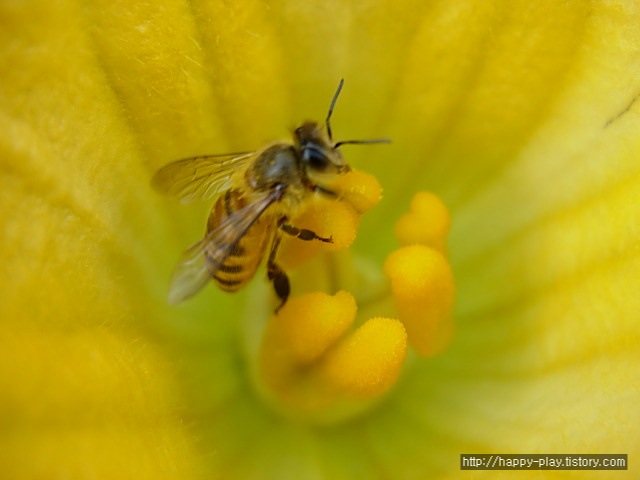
x: 427, y: 222
x: 360, y: 189
x: 327, y: 218
x: 302, y: 331
x: 311, y: 360
x: 423, y: 289
x: 339, y: 219
x: 311, y: 323
x: 368, y: 361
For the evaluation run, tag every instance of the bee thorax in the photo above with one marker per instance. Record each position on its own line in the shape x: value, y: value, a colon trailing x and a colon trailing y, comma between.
x: 278, y: 164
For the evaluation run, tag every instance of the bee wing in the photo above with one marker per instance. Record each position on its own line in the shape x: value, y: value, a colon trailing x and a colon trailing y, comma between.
x: 199, y: 178
x: 202, y: 259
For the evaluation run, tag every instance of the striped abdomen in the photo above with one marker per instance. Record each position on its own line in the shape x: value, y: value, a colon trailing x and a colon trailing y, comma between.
x: 241, y: 264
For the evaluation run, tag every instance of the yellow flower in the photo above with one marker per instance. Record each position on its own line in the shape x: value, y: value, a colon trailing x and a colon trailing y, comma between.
x: 521, y: 116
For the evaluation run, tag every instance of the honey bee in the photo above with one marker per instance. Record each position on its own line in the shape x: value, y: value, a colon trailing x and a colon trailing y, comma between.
x: 259, y: 193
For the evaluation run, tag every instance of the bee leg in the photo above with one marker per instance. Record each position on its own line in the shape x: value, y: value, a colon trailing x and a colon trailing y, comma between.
x: 280, y: 283
x: 301, y: 233
x: 277, y: 276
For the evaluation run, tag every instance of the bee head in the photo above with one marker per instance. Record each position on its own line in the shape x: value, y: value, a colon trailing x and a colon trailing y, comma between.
x: 318, y: 154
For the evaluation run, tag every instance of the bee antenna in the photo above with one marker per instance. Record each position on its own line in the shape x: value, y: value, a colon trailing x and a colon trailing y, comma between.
x: 375, y: 140
x: 333, y: 104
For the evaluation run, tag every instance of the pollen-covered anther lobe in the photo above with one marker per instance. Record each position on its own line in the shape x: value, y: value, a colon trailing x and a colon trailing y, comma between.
x: 422, y: 282
x: 359, y: 189
x: 311, y: 358
x: 368, y: 361
x: 427, y: 222
x: 338, y: 218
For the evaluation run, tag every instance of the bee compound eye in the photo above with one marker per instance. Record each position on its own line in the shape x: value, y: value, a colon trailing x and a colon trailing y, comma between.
x: 315, y: 159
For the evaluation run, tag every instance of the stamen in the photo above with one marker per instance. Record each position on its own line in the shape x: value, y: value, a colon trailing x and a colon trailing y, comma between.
x: 327, y: 218
x: 304, y: 329
x: 427, y: 222
x: 311, y: 361
x: 339, y: 219
x: 360, y: 189
x: 368, y: 361
x: 311, y: 323
x: 423, y: 290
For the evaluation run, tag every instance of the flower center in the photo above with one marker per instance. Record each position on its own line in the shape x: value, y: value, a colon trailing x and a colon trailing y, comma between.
x: 326, y: 357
